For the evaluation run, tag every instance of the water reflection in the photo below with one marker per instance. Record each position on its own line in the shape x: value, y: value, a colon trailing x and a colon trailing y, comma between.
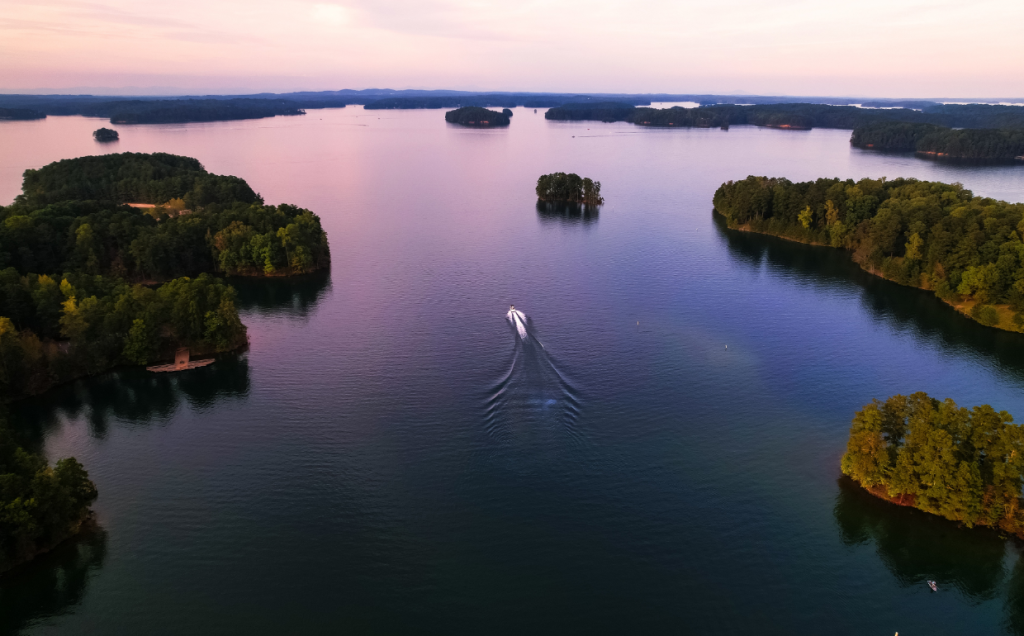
x: 295, y: 296
x: 53, y: 584
x: 905, y: 307
x: 917, y: 547
x: 130, y: 395
x: 558, y: 212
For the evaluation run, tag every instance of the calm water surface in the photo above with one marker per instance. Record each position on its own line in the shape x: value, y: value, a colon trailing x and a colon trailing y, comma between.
x: 389, y: 457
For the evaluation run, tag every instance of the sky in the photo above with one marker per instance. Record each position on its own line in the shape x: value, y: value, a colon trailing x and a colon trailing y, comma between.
x: 867, y: 48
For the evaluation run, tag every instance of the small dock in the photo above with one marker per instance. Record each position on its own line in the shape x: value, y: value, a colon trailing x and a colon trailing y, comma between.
x: 181, y: 363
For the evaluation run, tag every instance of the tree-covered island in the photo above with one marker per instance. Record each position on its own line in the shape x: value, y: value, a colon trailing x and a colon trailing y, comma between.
x: 935, y: 236
x: 105, y: 134
x: 966, y: 465
x: 88, y: 282
x: 476, y: 117
x: 569, y: 188
x: 40, y: 505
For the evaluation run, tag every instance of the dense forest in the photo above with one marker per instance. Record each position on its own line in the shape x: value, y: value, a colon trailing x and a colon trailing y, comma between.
x: 87, y: 282
x: 935, y: 236
x: 569, y: 188
x: 977, y: 143
x: 793, y: 115
x: 966, y: 465
x: 40, y: 505
x: 476, y: 117
x: 20, y: 114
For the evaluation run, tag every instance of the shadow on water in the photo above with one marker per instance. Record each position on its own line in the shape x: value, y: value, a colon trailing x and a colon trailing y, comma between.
x: 295, y: 296
x: 53, y: 584
x: 917, y: 546
x: 903, y: 307
x: 130, y: 394
x: 561, y: 213
x: 534, y: 395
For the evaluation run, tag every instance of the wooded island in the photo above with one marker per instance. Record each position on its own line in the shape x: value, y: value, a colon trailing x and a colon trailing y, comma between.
x: 931, y: 235
x: 963, y: 464
x: 569, y: 188
x: 477, y: 117
x: 88, y: 282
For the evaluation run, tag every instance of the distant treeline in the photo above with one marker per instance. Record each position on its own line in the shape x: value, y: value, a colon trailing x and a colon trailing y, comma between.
x: 931, y: 235
x: 78, y: 267
x: 477, y: 117
x: 20, y: 114
x: 966, y: 465
x: 190, y: 110
x: 40, y: 505
x: 801, y: 116
x: 978, y: 143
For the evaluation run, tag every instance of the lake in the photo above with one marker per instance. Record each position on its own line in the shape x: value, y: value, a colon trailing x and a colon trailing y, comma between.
x: 659, y: 455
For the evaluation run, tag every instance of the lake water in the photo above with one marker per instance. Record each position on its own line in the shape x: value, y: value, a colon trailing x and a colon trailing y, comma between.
x: 659, y: 455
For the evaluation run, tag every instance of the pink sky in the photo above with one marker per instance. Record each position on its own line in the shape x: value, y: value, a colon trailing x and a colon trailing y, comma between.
x: 890, y: 48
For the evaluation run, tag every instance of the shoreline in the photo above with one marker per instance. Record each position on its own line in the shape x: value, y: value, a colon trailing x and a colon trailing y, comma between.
x: 85, y: 524
x: 908, y: 501
x: 963, y: 307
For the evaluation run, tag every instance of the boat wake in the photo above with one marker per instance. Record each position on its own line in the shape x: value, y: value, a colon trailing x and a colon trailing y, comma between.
x: 534, y: 394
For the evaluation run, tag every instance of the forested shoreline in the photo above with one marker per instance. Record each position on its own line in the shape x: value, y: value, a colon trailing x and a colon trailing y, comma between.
x: 792, y: 115
x: 967, y: 250
x: 965, y: 465
x: 977, y: 143
x: 88, y: 283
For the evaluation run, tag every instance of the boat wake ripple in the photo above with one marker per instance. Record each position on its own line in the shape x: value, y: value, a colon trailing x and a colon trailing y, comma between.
x: 534, y: 393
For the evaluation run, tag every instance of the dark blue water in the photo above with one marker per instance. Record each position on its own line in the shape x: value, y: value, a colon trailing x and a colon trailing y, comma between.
x: 660, y: 454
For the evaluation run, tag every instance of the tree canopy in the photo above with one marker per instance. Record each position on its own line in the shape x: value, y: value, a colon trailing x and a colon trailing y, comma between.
x: 963, y: 464
x: 87, y: 282
x: 105, y: 134
x: 935, y: 236
x: 40, y: 505
x: 569, y: 188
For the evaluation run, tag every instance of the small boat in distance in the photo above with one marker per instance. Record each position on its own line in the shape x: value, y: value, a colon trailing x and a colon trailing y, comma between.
x: 931, y: 584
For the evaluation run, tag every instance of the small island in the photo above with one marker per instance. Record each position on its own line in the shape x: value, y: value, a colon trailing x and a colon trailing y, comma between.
x: 105, y: 135
x: 930, y: 235
x: 42, y: 505
x: 966, y: 465
x: 569, y: 188
x: 476, y: 117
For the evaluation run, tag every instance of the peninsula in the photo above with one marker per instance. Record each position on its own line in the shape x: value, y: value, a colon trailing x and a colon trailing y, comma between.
x: 975, y: 144
x: 966, y: 465
x: 930, y: 235
x: 476, y: 117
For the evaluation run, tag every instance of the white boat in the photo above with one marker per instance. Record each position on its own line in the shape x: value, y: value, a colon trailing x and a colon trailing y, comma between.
x: 931, y: 584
